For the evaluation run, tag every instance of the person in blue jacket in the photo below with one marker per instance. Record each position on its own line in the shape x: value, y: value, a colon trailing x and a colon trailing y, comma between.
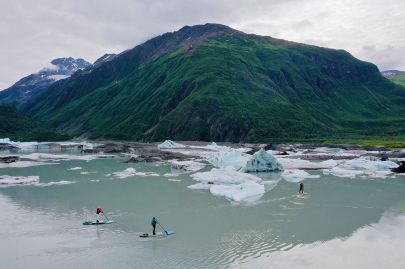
x: 153, y: 223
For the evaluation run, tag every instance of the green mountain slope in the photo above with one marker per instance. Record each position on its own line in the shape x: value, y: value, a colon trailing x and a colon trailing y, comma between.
x: 210, y: 82
x: 18, y: 127
x: 398, y: 79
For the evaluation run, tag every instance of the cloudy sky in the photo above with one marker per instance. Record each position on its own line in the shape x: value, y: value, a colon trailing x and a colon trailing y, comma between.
x: 33, y: 32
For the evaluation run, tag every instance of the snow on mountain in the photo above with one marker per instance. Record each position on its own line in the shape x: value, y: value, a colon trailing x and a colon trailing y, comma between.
x: 31, y: 85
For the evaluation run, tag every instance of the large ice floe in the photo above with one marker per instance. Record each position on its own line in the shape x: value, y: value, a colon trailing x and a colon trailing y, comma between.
x: 292, y: 163
x: 229, y: 160
x: 63, y: 157
x: 22, y: 164
x: 168, y: 144
x: 262, y: 161
x: 295, y: 175
x: 237, y: 187
x: 362, y: 166
x: 131, y: 172
x: 187, y: 166
x: 18, y: 180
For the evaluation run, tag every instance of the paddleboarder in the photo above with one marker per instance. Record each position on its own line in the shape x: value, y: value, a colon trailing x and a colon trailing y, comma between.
x: 153, y: 223
x: 301, y: 191
x: 100, y: 214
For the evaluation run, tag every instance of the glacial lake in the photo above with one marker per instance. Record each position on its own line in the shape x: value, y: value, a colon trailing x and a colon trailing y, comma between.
x: 339, y: 223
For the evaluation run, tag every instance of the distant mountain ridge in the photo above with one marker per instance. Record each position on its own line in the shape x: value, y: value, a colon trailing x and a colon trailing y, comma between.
x: 395, y: 76
x: 28, y: 87
x: 392, y: 72
x: 211, y: 82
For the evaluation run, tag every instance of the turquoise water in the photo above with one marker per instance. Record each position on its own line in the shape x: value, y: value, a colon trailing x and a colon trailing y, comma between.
x: 42, y: 226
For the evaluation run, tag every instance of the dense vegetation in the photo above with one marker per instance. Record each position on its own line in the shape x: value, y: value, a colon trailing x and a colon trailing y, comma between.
x: 211, y: 82
x: 18, y: 127
x: 398, y: 79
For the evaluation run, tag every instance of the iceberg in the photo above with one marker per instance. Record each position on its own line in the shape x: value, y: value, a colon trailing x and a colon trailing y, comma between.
x: 13, y: 181
x: 168, y: 144
x: 230, y: 160
x: 289, y: 163
x: 57, y: 183
x: 237, y: 187
x: 262, y: 161
x: 187, y: 166
x: 296, y: 175
x: 22, y: 164
x: 131, y: 172
x: 248, y: 192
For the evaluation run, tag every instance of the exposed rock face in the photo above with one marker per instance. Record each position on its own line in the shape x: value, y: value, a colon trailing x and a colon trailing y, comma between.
x: 30, y: 86
x: 154, y: 155
x: 9, y: 159
x: 6, y: 146
x: 400, y: 168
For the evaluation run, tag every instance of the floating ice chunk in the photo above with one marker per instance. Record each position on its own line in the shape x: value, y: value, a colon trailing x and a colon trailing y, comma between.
x: 168, y: 144
x: 220, y: 176
x: 373, y: 165
x: 200, y: 186
x: 75, y: 168
x: 13, y: 181
x: 21, y: 145
x: 247, y: 192
x: 296, y: 175
x: 214, y: 146
x: 94, y: 180
x: 22, y: 164
x: 86, y: 173
x: 187, y: 166
x: 170, y: 175
x: 231, y: 160
x: 130, y: 172
x: 174, y: 180
x: 342, y: 172
x: 290, y: 163
x: 52, y: 183
x: 262, y: 161
x: 334, y: 151
x: 63, y: 157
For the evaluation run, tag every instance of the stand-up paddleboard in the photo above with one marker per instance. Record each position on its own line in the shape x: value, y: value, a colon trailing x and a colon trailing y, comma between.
x: 90, y: 222
x: 158, y: 234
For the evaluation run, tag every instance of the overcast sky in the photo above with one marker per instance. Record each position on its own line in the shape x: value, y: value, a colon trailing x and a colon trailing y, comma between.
x: 33, y: 32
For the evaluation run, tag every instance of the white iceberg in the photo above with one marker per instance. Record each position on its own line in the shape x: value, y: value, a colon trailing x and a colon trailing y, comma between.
x: 187, y: 166
x: 63, y: 157
x: 220, y: 176
x: 237, y: 187
x: 296, y: 175
x: 230, y: 160
x: 290, y: 163
x: 22, y: 164
x: 168, y: 144
x: 131, y: 172
x: 362, y: 166
x: 262, y: 161
x: 247, y: 192
x: 20, y: 180
x: 75, y: 168
x: 57, y: 183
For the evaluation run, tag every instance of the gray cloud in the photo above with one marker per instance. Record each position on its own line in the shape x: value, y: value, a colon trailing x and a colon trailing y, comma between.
x: 34, y: 32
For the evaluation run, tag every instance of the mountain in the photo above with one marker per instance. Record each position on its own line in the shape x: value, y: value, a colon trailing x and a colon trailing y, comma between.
x: 211, y: 82
x: 395, y: 76
x: 18, y: 127
x: 30, y: 86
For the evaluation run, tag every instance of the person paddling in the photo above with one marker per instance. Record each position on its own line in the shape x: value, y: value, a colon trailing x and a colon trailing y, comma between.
x: 301, y: 191
x: 100, y: 214
x: 153, y: 223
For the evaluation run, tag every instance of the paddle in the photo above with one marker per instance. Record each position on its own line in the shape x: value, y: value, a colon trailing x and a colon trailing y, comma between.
x: 162, y: 227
